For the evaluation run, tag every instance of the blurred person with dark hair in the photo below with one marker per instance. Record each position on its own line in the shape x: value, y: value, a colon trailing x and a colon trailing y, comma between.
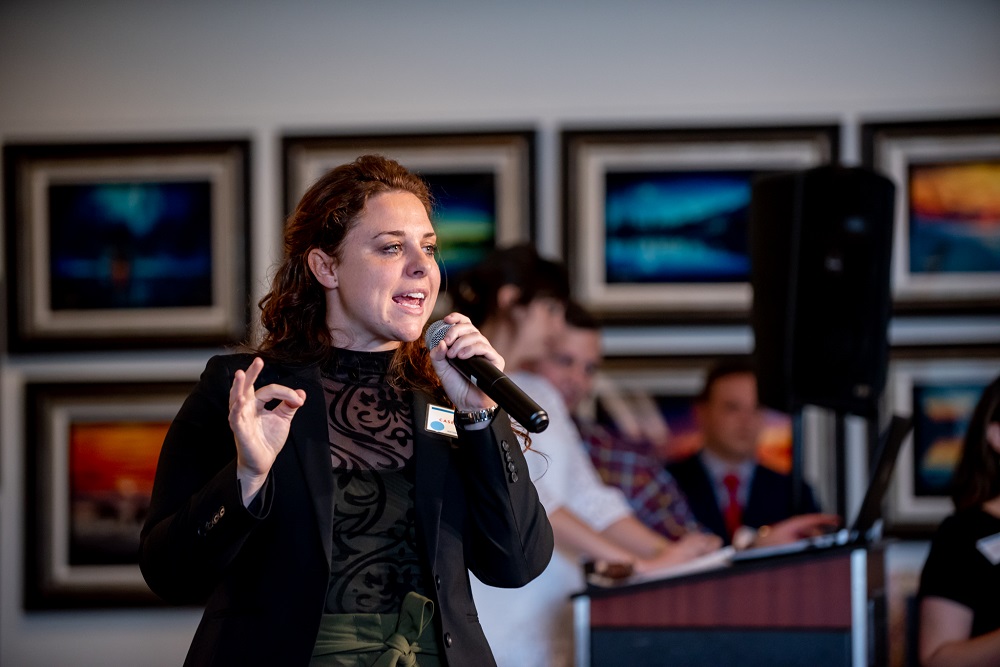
x: 960, y: 583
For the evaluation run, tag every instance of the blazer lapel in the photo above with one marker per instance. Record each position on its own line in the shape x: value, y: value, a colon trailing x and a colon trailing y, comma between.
x: 430, y: 452
x: 310, y: 439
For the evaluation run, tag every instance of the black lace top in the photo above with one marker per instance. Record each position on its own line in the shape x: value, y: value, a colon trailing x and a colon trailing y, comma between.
x: 375, y: 555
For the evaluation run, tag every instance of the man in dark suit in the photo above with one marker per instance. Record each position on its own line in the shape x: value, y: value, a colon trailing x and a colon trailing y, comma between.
x: 725, y: 487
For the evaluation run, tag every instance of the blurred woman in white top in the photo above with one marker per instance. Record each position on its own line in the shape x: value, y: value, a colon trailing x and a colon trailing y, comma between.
x: 518, y: 300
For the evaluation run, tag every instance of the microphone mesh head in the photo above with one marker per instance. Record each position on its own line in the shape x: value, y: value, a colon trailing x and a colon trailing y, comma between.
x: 436, y: 333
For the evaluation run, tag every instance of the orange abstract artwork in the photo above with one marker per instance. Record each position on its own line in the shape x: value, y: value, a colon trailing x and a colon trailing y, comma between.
x: 111, y: 470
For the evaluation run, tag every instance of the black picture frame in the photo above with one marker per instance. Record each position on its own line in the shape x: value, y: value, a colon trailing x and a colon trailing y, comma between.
x: 127, y: 244
x: 91, y: 451
x: 940, y: 389
x: 946, y: 241
x: 678, y: 199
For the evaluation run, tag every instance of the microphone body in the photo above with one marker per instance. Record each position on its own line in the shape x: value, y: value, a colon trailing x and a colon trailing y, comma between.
x: 492, y: 382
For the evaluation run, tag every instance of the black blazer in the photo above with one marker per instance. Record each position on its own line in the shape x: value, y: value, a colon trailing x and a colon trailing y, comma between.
x: 264, y: 578
x: 769, y: 499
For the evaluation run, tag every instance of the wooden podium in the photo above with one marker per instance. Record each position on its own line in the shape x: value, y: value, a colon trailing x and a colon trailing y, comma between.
x: 814, y: 609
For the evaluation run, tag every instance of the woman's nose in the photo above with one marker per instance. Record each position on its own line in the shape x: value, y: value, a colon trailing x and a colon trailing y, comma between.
x: 419, y: 262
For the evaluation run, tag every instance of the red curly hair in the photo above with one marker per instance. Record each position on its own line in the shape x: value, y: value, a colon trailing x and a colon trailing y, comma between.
x: 293, y: 312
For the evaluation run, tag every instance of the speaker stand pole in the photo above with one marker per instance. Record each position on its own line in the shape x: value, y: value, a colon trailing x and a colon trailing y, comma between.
x: 797, y: 494
x: 839, y: 448
x: 871, y: 423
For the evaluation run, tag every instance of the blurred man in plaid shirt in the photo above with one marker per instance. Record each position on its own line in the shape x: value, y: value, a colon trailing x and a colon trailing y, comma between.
x: 628, y: 462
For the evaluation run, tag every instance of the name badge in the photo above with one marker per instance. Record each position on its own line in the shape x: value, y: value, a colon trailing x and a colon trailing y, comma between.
x: 990, y: 547
x: 441, y: 420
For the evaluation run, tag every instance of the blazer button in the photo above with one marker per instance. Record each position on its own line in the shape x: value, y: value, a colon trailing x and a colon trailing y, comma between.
x: 513, y: 477
x: 437, y: 581
x: 504, y: 446
x: 512, y: 467
x: 447, y: 639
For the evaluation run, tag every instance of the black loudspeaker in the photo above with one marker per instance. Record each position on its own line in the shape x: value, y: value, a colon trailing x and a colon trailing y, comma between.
x: 820, y: 251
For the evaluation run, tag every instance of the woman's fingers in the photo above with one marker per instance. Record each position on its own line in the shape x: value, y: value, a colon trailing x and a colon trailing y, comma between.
x: 243, y: 381
x: 463, y: 340
x: 254, y: 370
x: 291, y: 399
x: 247, y: 404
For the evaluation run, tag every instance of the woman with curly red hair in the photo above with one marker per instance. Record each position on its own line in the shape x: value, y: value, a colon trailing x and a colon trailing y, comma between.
x: 327, y: 495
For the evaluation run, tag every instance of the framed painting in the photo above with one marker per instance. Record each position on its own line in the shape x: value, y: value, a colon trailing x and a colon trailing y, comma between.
x: 482, y: 183
x: 946, y: 245
x: 656, y: 221
x: 92, y: 451
x: 126, y: 244
x: 940, y: 393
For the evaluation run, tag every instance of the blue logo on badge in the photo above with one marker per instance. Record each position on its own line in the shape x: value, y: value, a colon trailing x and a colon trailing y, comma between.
x: 441, y: 420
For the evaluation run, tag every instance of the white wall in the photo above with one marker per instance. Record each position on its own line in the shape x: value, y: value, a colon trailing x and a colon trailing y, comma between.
x: 145, y: 70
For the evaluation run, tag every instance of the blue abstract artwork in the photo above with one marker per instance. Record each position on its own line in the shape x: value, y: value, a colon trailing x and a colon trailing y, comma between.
x: 465, y: 217
x: 130, y: 245
x: 677, y: 227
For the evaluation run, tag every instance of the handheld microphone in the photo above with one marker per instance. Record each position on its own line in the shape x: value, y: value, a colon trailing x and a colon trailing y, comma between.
x: 492, y: 382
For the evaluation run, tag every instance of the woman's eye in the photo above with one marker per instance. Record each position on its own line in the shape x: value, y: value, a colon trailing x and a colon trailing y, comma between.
x: 431, y: 249
x: 393, y: 248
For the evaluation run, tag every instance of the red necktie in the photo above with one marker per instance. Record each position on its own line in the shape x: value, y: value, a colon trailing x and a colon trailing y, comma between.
x: 734, y: 513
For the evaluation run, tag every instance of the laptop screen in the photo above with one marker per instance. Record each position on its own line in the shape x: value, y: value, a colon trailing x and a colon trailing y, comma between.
x: 889, y: 445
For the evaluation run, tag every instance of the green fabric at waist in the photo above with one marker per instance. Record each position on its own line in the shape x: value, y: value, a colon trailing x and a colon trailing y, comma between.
x: 406, y: 639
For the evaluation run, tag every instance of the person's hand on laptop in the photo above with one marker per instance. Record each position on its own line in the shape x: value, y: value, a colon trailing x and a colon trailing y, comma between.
x: 797, y: 528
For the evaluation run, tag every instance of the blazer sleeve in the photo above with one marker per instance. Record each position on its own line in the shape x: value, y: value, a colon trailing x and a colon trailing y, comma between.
x: 197, y: 521
x: 508, y: 536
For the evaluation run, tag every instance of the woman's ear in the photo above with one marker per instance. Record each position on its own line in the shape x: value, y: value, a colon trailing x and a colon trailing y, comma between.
x: 323, y: 267
x: 993, y: 436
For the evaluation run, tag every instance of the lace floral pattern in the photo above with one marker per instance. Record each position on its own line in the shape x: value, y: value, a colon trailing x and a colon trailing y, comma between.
x: 375, y: 556
x: 370, y: 423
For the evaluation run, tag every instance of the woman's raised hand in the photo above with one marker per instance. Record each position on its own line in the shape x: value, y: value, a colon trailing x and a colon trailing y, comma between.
x: 463, y: 341
x: 260, y: 433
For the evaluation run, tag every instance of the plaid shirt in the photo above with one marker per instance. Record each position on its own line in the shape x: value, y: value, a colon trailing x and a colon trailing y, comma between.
x: 630, y: 465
